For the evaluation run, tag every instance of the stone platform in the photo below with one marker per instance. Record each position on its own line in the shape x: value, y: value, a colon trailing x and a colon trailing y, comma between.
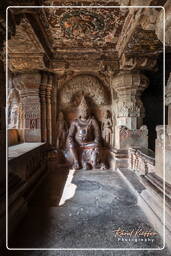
x: 101, y: 203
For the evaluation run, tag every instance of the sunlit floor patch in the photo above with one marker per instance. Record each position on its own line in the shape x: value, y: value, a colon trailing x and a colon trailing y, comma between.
x: 69, y: 189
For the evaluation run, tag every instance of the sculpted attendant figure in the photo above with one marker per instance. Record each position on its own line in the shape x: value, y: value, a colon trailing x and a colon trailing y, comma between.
x: 84, y: 134
x: 107, y: 128
x: 61, y: 131
x: 14, y: 116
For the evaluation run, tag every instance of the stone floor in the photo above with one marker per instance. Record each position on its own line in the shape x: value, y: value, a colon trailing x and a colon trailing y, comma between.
x: 101, y: 203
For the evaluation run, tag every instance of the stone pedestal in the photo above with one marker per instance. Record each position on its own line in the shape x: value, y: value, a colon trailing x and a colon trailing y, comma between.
x: 129, y: 131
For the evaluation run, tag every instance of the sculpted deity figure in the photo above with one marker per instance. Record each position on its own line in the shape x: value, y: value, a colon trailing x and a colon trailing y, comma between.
x: 107, y: 129
x: 61, y: 131
x: 84, y: 134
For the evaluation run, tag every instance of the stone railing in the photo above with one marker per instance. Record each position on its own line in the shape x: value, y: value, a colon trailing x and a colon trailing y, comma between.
x: 27, y: 166
x: 26, y: 159
x: 141, y: 160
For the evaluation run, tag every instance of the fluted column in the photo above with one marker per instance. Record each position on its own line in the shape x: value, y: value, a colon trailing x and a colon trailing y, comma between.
x: 49, y: 109
x: 54, y: 109
x: 129, y: 108
x: 43, y: 106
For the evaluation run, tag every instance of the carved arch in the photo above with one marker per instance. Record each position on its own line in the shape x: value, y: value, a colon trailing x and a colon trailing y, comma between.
x: 89, y: 85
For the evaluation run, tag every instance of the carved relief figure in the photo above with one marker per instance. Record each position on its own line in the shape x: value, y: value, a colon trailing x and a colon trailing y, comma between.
x: 14, y: 116
x: 13, y: 108
x: 84, y: 135
x: 61, y: 131
x: 107, y: 129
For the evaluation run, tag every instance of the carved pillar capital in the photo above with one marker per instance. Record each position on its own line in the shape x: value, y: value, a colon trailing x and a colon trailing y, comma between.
x: 127, y: 82
x: 129, y: 87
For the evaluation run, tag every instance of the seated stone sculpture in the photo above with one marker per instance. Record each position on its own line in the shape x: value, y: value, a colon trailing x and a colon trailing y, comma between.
x: 84, y: 139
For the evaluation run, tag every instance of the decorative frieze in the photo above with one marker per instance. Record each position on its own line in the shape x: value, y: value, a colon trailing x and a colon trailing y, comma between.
x: 137, y: 63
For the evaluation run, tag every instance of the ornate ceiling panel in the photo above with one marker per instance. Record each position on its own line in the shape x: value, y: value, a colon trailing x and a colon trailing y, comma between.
x: 84, y: 27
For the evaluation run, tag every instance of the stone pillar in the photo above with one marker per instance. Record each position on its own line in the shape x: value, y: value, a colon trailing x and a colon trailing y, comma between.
x: 161, y: 130
x: 129, y: 110
x: 54, y: 110
x: 159, y: 147
x: 43, y: 107
x: 49, y: 109
x: 30, y: 100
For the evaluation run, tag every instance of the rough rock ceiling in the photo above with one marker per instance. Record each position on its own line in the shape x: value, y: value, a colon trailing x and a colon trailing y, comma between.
x: 25, y: 40
x: 25, y: 49
x: 84, y: 28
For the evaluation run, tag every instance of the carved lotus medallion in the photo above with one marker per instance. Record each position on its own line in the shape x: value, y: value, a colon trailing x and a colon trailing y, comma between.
x: 82, y: 24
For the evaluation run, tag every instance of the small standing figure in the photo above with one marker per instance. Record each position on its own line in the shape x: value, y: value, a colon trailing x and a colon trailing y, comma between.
x: 14, y: 116
x: 61, y: 131
x: 106, y: 127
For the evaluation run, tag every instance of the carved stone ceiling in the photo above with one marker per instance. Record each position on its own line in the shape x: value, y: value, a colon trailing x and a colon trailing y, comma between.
x: 84, y: 28
x: 91, y: 38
